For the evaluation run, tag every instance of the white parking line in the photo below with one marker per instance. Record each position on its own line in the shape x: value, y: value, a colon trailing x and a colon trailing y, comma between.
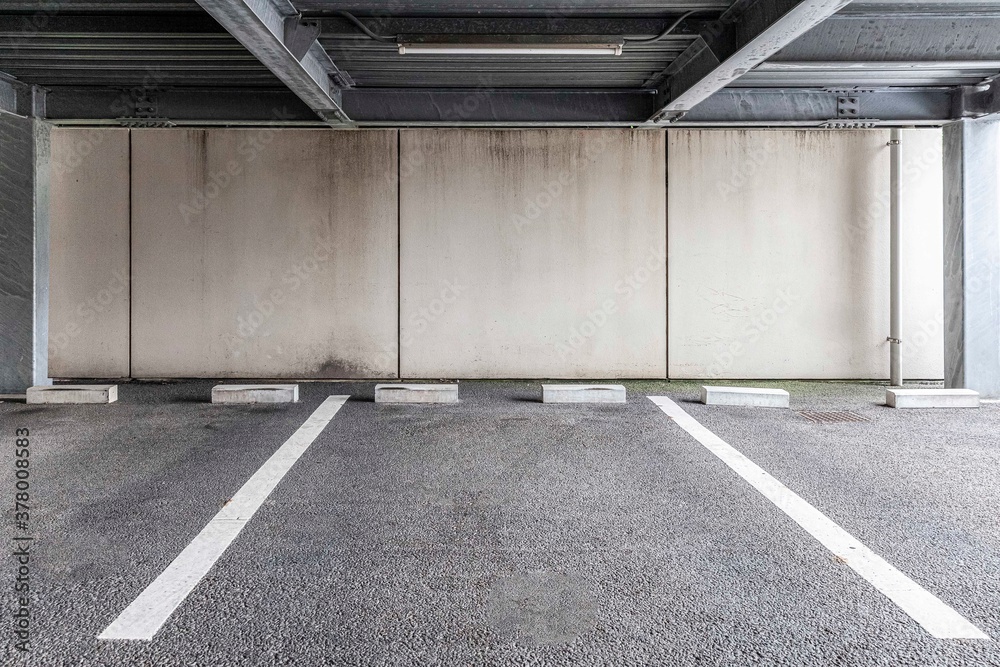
x: 935, y: 616
x: 143, y: 618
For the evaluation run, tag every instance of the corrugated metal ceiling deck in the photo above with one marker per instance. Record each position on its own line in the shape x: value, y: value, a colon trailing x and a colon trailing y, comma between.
x: 179, y: 48
x: 380, y: 65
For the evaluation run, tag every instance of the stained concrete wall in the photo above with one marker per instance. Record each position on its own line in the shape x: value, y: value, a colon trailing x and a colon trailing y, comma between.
x: 532, y: 253
x: 264, y: 253
x: 779, y: 254
x: 273, y: 253
x: 89, y: 234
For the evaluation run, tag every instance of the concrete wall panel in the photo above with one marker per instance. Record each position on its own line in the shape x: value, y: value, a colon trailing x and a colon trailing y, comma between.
x: 532, y: 253
x: 923, y: 254
x: 264, y: 253
x: 89, y: 271
x: 779, y: 254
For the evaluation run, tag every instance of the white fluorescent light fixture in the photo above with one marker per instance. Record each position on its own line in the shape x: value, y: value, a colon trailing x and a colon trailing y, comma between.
x: 512, y: 49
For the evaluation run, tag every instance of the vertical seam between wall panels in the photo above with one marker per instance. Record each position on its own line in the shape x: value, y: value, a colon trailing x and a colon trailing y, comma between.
x: 130, y: 273
x: 399, y: 257
x: 666, y: 253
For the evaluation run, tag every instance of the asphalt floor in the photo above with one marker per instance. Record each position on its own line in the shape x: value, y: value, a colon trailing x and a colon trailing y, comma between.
x: 501, y: 530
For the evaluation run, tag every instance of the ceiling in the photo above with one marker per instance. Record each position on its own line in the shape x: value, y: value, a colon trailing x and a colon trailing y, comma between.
x: 748, y: 62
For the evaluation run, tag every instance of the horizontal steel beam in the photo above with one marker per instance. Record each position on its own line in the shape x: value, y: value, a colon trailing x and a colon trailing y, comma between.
x: 131, y: 107
x: 824, y: 107
x: 497, y: 106
x: 868, y: 74
x: 397, y: 106
x: 260, y: 26
x: 371, y: 105
x: 386, y: 106
x: 739, y: 41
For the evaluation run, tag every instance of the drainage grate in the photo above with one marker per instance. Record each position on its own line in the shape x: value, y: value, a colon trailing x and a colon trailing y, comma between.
x: 832, y: 416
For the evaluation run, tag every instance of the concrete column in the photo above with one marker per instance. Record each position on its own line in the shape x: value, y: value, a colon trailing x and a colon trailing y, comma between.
x: 24, y: 253
x: 972, y: 256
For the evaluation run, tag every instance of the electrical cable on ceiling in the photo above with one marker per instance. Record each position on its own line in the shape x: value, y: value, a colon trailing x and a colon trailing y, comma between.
x: 363, y: 28
x: 670, y: 29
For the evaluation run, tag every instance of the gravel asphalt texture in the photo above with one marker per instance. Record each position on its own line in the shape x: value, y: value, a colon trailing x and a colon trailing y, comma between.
x: 503, y: 531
